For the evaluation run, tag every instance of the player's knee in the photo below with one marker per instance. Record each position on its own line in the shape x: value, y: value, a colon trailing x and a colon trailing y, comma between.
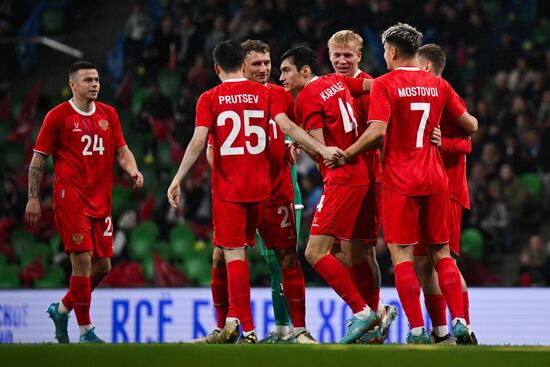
x: 311, y: 254
x: 287, y: 259
x: 218, y: 260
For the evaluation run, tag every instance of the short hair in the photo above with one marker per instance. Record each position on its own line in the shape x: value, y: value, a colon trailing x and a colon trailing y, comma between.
x: 345, y: 37
x: 229, y: 56
x: 80, y: 65
x: 302, y: 56
x: 254, y: 46
x: 434, y: 54
x: 404, y: 37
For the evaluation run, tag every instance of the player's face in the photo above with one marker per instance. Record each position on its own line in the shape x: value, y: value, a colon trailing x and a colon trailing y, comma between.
x: 257, y: 66
x: 85, y: 84
x: 345, y: 59
x: 292, y: 79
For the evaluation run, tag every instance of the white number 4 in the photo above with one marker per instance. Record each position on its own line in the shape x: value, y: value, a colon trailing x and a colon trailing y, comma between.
x: 348, y: 117
x: 97, y: 147
x: 425, y: 108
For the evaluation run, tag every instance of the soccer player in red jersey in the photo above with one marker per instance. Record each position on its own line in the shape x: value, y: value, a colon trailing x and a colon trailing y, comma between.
x: 237, y: 114
x: 344, y: 49
x: 277, y: 226
x: 454, y: 144
x: 405, y: 106
x: 84, y: 136
x: 324, y: 106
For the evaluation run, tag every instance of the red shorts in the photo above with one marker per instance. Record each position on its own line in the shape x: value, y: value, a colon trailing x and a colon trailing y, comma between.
x: 455, y: 221
x: 371, y: 220
x: 403, y: 215
x: 82, y: 233
x: 341, y: 212
x: 235, y: 224
x: 278, y: 225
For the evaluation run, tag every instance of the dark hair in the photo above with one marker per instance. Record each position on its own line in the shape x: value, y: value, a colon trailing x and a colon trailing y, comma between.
x: 302, y: 56
x: 434, y: 54
x: 404, y: 37
x: 254, y: 46
x: 229, y: 56
x: 80, y: 65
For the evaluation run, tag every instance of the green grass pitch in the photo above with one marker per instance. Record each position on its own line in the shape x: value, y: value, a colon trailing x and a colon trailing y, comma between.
x: 158, y: 355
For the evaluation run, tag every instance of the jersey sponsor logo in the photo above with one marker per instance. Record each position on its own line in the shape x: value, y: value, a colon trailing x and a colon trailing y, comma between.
x: 103, y: 124
x: 77, y: 238
x: 76, y: 128
x: 332, y: 91
x: 418, y: 91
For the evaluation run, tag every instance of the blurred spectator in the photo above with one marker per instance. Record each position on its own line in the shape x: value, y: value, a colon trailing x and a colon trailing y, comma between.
x: 534, y: 260
x: 521, y: 77
x: 135, y: 30
x: 165, y: 40
x: 190, y: 41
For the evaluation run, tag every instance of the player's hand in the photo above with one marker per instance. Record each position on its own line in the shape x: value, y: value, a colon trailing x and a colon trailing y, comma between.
x: 334, y: 157
x: 173, y: 194
x: 293, y: 151
x: 138, y: 180
x: 33, y: 212
x: 435, y: 138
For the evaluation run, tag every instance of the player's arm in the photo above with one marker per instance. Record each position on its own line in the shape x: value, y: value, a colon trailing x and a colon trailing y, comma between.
x: 194, y: 149
x: 36, y: 171
x: 309, y: 143
x: 371, y: 139
x: 467, y: 122
x: 127, y: 161
x: 458, y: 145
x: 209, y: 155
x: 358, y: 86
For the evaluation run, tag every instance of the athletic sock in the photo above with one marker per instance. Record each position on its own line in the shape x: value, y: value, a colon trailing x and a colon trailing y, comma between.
x: 295, y: 292
x: 220, y: 294
x: 437, y: 309
x: 239, y: 293
x: 280, y: 307
x: 466, y: 305
x: 361, y: 275
x: 337, y: 276
x: 66, y: 304
x: 81, y: 295
x: 375, y: 299
x: 451, y: 286
x: 408, y: 290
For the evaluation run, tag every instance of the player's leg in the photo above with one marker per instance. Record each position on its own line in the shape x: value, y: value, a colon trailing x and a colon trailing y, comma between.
x: 220, y: 296
x: 235, y: 227
x: 280, y: 307
x: 399, y: 219
x: 434, y: 219
x: 433, y: 299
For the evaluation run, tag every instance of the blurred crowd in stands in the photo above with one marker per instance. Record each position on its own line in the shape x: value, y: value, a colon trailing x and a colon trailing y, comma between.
x: 498, y: 59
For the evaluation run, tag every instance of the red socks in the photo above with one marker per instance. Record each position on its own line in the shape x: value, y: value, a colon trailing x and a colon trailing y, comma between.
x: 361, y: 275
x: 451, y: 286
x: 81, y: 294
x: 239, y: 293
x: 375, y: 299
x: 408, y: 289
x: 437, y: 309
x: 220, y: 294
x: 466, y: 305
x: 294, y: 289
x: 337, y: 276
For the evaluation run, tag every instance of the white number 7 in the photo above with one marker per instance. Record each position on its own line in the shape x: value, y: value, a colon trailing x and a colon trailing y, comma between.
x: 425, y: 108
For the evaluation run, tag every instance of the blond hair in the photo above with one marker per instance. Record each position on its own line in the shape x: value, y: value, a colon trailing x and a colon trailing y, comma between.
x: 345, y: 38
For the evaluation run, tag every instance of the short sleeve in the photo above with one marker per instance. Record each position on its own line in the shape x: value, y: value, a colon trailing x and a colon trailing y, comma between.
x: 454, y: 105
x: 277, y: 102
x: 48, y: 134
x: 379, y: 104
x: 309, y: 113
x: 355, y: 86
x: 204, y: 112
x: 119, y: 136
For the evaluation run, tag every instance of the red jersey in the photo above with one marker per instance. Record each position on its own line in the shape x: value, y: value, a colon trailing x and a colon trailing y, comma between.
x: 455, y: 145
x: 83, y: 146
x: 361, y: 105
x: 237, y: 113
x: 279, y: 169
x: 326, y: 103
x: 411, y: 102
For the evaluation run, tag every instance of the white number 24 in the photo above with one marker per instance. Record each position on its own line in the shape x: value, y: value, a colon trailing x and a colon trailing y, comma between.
x: 97, y: 147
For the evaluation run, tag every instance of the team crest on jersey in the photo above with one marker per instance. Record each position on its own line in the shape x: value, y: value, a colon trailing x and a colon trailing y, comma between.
x: 103, y: 124
x: 77, y: 238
